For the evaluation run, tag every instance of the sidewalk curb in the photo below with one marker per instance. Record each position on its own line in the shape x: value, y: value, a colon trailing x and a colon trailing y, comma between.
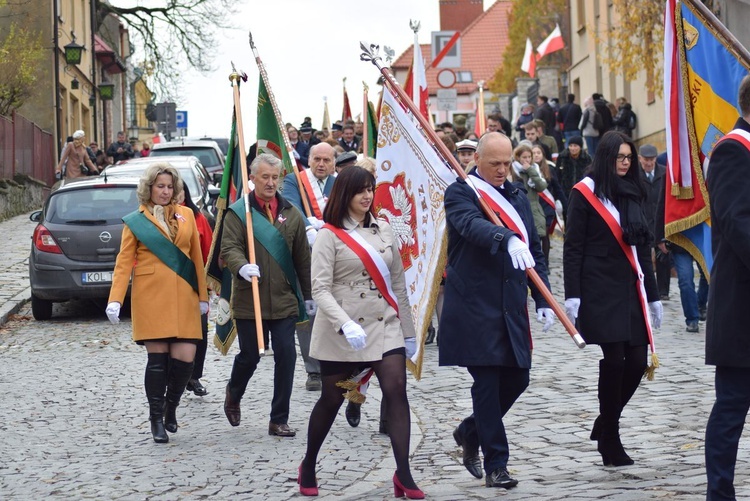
x: 15, y: 304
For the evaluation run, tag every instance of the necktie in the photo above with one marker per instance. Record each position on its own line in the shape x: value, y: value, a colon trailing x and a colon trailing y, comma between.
x: 321, y: 184
x: 650, y: 176
x: 269, y: 213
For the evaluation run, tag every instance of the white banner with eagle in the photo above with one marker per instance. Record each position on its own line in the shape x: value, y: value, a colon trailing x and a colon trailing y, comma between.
x: 411, y: 182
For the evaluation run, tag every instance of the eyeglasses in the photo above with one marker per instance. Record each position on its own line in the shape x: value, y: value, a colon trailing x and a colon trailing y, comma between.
x: 622, y: 158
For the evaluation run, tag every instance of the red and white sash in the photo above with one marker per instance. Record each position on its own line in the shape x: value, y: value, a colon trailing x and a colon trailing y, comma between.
x: 548, y: 199
x: 507, y: 213
x: 611, y: 217
x: 373, y: 261
x: 316, y: 197
x: 738, y: 135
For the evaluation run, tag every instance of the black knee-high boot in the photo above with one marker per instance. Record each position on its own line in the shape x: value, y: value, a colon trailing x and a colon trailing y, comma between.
x: 610, y: 408
x: 631, y: 379
x: 179, y: 375
x: 155, y: 382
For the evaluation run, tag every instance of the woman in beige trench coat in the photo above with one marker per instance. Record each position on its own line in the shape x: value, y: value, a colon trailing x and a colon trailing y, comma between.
x: 356, y: 327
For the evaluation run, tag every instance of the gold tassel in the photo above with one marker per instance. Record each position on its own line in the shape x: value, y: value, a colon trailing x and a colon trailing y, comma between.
x: 651, y: 369
x: 355, y: 397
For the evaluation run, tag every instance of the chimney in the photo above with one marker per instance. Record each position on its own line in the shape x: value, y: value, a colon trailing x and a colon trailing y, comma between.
x: 458, y: 14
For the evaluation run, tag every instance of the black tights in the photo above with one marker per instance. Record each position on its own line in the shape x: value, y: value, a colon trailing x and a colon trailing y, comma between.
x: 391, y: 373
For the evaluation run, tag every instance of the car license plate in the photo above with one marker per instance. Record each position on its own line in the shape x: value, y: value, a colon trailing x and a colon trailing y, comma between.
x: 96, y: 277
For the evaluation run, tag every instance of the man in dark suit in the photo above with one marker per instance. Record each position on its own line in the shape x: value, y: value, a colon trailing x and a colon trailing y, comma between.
x: 302, y: 149
x: 570, y: 116
x: 484, y: 325
x: 655, y: 175
x: 727, y: 335
x: 601, y: 107
x: 320, y: 181
x: 545, y: 113
x: 348, y: 140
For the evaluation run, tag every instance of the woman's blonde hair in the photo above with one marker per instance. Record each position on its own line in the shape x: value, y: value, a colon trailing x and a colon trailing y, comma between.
x: 367, y: 163
x: 149, y: 178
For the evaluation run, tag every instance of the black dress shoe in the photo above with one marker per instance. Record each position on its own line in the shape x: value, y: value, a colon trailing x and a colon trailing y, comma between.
x: 232, y: 409
x: 196, y: 387
x: 500, y: 478
x: 280, y: 430
x: 471, y: 455
x: 353, y: 414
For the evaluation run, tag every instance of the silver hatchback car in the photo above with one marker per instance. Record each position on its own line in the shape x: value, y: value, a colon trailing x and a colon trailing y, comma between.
x: 75, y: 244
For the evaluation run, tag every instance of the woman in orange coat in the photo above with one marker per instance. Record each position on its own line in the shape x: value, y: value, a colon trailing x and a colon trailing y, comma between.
x: 161, y: 250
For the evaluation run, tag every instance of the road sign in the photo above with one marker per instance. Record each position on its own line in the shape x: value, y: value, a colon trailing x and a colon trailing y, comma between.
x: 446, y: 78
x: 447, y: 99
x: 181, y: 119
x: 446, y: 49
x: 165, y: 117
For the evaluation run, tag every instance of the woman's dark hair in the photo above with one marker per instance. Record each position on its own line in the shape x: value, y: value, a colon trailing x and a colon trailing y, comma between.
x: 189, y: 201
x: 603, y: 169
x: 349, y: 182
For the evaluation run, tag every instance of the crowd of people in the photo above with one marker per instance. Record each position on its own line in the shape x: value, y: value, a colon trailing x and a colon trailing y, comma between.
x: 78, y: 160
x: 328, y: 270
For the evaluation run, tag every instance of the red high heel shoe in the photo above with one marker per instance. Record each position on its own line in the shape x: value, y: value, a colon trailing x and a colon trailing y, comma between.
x: 305, y: 491
x: 399, y: 490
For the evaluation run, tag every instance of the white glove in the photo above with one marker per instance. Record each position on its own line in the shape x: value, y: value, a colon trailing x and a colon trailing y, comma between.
x: 558, y: 207
x: 520, y: 254
x: 311, y: 234
x: 411, y: 346
x: 248, y: 271
x: 296, y: 155
x: 571, y: 308
x: 113, y: 312
x: 311, y: 307
x: 315, y: 222
x: 546, y: 315
x: 204, y: 307
x: 657, y: 312
x: 355, y: 334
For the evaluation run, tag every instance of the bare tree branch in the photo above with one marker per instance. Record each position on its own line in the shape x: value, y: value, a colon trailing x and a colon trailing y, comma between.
x: 172, y: 36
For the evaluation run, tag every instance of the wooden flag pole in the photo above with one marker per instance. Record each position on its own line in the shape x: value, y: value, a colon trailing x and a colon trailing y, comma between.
x: 370, y: 53
x: 480, y: 109
x: 280, y: 122
x: 235, y: 79
x: 365, y: 121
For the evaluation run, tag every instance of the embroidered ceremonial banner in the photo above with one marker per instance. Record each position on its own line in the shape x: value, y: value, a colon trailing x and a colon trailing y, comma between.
x: 411, y: 181
x: 270, y: 139
x: 702, y: 77
x: 218, y: 277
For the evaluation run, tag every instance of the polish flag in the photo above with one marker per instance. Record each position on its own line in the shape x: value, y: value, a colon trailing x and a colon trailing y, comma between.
x: 418, y: 86
x: 529, y: 59
x: 552, y: 43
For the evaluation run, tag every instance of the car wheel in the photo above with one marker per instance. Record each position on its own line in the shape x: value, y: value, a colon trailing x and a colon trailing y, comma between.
x: 41, y: 308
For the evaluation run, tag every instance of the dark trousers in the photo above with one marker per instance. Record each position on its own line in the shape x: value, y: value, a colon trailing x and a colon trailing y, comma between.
x: 493, y: 393
x: 663, y: 272
x: 284, y: 357
x: 304, y: 334
x: 724, y: 429
x: 200, y: 349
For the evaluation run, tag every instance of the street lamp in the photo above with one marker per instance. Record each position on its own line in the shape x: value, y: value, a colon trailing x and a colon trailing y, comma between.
x: 106, y: 91
x: 74, y: 84
x: 133, y: 132
x: 73, y: 52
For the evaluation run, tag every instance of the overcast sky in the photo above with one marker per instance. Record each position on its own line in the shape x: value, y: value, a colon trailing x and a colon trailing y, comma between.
x: 307, y: 47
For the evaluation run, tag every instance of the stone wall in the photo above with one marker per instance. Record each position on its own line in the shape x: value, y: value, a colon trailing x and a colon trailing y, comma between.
x: 21, y: 195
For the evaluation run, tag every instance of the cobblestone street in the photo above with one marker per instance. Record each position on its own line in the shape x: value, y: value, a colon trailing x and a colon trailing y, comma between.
x: 73, y: 419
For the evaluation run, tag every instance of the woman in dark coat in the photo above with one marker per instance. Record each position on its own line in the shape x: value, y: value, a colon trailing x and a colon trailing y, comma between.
x: 602, y: 282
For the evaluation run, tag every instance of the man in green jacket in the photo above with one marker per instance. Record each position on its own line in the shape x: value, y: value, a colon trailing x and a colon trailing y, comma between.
x: 282, y: 269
